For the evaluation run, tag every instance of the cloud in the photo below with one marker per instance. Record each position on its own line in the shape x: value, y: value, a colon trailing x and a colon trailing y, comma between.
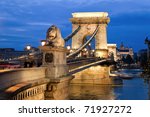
x: 131, y: 19
x: 28, y: 20
x: 39, y: 24
x: 3, y: 39
x: 5, y: 36
x: 17, y: 29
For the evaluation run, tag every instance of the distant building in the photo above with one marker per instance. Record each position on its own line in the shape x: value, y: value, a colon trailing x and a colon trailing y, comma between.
x: 112, y: 50
x: 124, y: 51
x: 10, y: 53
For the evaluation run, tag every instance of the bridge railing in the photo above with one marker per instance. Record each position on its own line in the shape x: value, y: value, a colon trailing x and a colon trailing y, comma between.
x: 74, y: 63
x: 13, y: 77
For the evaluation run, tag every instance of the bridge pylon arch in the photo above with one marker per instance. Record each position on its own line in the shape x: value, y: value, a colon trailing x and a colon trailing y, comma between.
x: 88, y: 22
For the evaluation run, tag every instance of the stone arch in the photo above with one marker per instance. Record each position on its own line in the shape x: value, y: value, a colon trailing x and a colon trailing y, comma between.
x: 88, y: 47
x: 88, y: 23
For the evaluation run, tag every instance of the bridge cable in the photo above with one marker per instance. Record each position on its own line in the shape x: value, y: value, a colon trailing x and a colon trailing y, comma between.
x: 72, y: 34
x: 84, y: 45
x: 75, y: 70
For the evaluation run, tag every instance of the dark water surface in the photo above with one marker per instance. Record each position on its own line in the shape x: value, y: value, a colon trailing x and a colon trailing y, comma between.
x: 132, y: 89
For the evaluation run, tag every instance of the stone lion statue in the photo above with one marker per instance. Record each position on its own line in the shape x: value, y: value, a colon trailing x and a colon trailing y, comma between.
x: 54, y: 38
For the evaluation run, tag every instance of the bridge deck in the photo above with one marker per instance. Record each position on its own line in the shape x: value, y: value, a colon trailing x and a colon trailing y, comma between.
x: 78, y: 65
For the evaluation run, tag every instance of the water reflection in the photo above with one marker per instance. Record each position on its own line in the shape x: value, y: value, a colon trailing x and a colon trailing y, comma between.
x: 91, y: 92
x: 132, y: 89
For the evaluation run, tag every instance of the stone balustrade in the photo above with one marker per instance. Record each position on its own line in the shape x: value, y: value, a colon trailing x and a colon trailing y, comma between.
x: 13, y: 77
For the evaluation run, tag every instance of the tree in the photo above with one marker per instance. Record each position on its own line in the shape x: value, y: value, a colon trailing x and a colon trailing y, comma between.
x: 129, y: 59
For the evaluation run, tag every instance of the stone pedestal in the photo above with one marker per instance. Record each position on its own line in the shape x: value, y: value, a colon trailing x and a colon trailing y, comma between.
x: 58, y: 89
x: 55, y: 61
x: 57, y: 71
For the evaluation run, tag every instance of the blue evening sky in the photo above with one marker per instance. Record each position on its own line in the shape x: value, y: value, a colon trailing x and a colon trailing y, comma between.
x: 25, y: 22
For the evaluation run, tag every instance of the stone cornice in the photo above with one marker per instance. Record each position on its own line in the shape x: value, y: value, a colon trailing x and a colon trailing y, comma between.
x: 90, y: 20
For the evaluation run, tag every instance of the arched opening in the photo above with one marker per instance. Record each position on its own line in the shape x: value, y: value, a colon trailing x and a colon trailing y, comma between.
x: 111, y: 55
x: 89, y: 50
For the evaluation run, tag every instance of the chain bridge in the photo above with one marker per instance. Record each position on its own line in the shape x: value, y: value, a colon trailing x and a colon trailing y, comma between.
x: 62, y: 67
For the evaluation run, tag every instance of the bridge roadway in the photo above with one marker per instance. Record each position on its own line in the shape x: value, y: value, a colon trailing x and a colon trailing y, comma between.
x: 30, y: 83
x: 76, y: 65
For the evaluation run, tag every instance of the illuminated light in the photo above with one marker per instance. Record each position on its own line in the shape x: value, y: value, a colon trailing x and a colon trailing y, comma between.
x: 28, y: 47
x: 85, y: 49
x: 93, y: 50
x: 43, y: 42
x: 68, y: 47
x: 75, y: 47
x: 89, y: 44
x: 71, y: 51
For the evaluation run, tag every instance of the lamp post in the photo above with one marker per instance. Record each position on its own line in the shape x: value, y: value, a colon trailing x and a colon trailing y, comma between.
x: 43, y: 42
x: 68, y: 47
x: 28, y: 47
x: 92, y: 53
x: 85, y: 49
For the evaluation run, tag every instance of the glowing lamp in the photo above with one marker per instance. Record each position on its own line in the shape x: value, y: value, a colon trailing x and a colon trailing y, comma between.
x: 93, y: 50
x: 71, y: 51
x: 85, y: 49
x: 28, y: 47
x: 43, y: 42
x: 68, y: 47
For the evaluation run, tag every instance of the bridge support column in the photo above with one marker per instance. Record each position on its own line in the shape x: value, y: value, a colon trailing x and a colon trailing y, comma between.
x: 97, y: 75
x: 57, y: 71
x: 101, y: 42
x: 89, y: 22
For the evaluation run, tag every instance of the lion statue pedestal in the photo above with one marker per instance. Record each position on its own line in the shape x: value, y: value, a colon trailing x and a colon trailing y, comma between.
x: 55, y: 61
x: 54, y: 58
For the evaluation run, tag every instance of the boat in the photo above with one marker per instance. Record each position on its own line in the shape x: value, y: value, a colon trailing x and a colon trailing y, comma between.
x: 125, y: 76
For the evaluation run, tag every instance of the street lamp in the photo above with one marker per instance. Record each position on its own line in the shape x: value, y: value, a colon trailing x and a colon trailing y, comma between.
x: 85, y: 49
x: 93, y: 51
x: 43, y: 42
x: 28, y: 47
x: 68, y: 47
x: 71, y: 51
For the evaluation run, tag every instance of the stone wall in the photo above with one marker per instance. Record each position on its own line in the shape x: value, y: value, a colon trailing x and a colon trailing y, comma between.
x: 93, y: 75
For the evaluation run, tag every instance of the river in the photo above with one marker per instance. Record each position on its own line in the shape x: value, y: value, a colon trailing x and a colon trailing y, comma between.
x: 132, y: 89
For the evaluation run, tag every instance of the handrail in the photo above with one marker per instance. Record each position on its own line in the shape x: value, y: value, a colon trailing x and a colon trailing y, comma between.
x: 83, y: 46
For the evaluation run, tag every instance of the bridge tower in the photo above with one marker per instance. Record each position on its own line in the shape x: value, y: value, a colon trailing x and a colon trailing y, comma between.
x: 88, y: 22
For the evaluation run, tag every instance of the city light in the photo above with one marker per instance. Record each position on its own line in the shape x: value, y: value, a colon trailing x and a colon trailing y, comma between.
x: 93, y: 50
x: 85, y: 49
x: 71, y: 51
